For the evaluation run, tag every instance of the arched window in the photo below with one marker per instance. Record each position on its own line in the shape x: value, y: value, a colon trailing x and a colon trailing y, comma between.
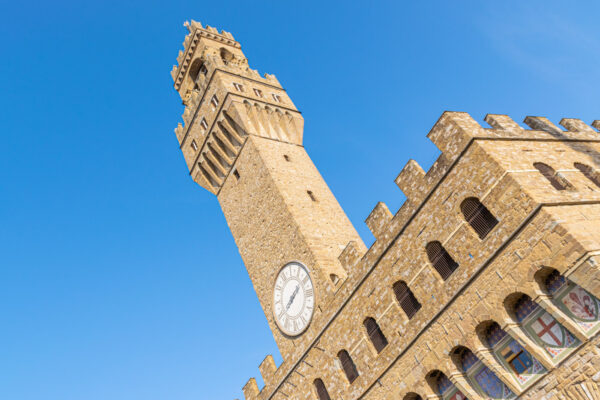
x: 321, y: 390
x: 406, y: 298
x: 348, y: 365
x: 443, y: 263
x: 557, y: 181
x: 412, y: 396
x: 511, y: 355
x: 589, y: 173
x: 375, y: 334
x: 442, y: 386
x: 543, y: 328
x: 226, y: 55
x: 195, y: 69
x: 478, y: 216
x: 579, y: 304
x: 480, y: 376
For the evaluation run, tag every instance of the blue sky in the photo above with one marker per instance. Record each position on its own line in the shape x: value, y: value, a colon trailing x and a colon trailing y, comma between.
x: 118, y: 276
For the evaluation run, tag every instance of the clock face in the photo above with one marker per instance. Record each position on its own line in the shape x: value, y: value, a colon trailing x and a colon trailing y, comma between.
x: 293, y: 299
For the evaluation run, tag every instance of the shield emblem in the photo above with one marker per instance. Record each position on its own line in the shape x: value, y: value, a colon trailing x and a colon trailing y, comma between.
x: 581, y: 304
x: 548, y: 330
x: 458, y: 396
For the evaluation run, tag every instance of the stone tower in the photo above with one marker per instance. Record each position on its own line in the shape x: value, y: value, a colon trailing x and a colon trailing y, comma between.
x: 242, y: 141
x: 484, y: 284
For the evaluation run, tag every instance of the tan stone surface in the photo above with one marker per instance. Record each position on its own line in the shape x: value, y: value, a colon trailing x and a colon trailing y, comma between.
x: 251, y: 156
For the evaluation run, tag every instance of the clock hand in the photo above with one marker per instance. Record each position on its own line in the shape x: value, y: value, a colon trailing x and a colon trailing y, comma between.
x: 292, y: 297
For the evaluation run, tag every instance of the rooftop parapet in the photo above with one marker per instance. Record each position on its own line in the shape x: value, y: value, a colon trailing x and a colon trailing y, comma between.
x: 452, y: 133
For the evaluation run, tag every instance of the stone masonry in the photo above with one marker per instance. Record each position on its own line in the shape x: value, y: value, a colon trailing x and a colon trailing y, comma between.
x: 241, y: 138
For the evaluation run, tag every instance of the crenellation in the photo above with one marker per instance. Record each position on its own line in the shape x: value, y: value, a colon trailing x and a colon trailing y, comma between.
x: 267, y: 369
x: 412, y: 182
x: 596, y: 124
x: 453, y: 132
x: 378, y: 220
x: 504, y: 122
x: 351, y: 255
x: 544, y: 124
x: 251, y: 390
x: 576, y: 125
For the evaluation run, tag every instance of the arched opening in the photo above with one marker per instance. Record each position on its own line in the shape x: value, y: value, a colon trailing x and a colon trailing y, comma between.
x: 334, y: 278
x: 375, y: 334
x: 481, y: 378
x: 226, y: 55
x: 406, y: 299
x: 541, y: 326
x: 589, y: 173
x: 348, y: 366
x: 195, y: 69
x: 478, y: 216
x: 556, y: 180
x: 576, y: 302
x: 441, y: 385
x: 321, y: 389
x: 412, y: 396
x: 517, y: 361
x: 443, y: 263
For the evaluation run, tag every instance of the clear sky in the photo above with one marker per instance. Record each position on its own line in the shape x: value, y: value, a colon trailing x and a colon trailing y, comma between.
x: 119, y: 278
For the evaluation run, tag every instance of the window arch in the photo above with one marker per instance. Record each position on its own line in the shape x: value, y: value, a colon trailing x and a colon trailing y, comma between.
x: 375, y: 334
x: 348, y: 366
x: 556, y: 180
x: 321, y: 389
x: 589, y: 173
x: 479, y: 375
x: 226, y: 55
x: 478, y: 216
x: 542, y: 327
x: 510, y: 354
x: 443, y: 263
x: 576, y: 302
x: 195, y: 68
x: 412, y: 396
x: 406, y: 299
x: 441, y: 385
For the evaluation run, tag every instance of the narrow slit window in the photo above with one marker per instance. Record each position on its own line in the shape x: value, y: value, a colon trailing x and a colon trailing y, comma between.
x: 286, y: 157
x: 443, y: 263
x: 214, y: 101
x: 236, y: 174
x: 258, y: 93
x: 194, y: 145
x: 555, y: 179
x: 406, y: 299
x: 375, y: 334
x: 478, y: 216
x: 589, y: 173
x: 348, y: 366
x: 203, y: 124
x: 311, y: 195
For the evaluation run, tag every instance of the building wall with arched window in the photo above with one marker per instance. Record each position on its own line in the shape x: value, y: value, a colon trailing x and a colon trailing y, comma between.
x: 480, y: 290
x: 526, y: 237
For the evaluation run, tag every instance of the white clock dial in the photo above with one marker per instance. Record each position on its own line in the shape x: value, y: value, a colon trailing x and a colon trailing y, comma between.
x: 293, y: 299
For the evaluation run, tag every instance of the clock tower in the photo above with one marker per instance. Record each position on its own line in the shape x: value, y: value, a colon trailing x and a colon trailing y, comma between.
x: 242, y: 141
